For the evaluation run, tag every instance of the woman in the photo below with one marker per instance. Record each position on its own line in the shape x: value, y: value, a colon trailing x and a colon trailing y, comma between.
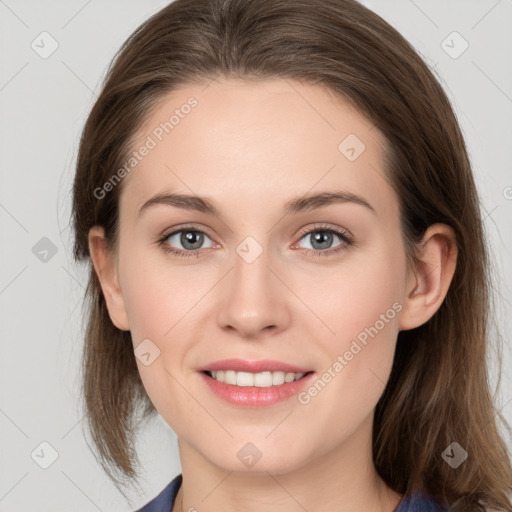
x: 288, y: 265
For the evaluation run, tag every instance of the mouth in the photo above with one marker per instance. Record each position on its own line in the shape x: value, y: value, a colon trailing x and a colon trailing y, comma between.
x: 255, y: 389
x: 263, y: 379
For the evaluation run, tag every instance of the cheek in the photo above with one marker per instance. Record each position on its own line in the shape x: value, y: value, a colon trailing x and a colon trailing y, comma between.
x: 157, y: 294
x: 360, y: 304
x: 352, y: 296
x: 357, y: 359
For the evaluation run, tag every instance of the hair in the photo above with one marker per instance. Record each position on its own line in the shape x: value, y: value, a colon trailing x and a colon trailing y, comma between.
x: 439, y: 388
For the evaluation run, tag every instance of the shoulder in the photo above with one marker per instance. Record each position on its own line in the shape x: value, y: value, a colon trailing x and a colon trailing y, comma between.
x: 165, y: 499
x: 419, y: 502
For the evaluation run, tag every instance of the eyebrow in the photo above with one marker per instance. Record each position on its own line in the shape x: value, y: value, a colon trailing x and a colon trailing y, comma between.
x: 295, y: 205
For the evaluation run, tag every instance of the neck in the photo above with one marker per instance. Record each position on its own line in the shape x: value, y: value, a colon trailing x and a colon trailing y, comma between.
x: 342, y: 479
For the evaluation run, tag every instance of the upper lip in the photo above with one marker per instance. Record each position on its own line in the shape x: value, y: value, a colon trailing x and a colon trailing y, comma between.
x: 243, y: 365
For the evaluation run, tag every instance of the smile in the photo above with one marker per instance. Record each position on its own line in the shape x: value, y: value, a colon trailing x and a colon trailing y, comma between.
x: 255, y: 390
x: 264, y: 379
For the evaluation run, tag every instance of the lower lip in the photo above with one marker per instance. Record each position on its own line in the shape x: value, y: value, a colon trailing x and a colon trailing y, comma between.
x: 252, y: 396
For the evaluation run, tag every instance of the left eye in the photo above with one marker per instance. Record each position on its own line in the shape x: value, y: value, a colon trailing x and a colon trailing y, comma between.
x: 322, y: 239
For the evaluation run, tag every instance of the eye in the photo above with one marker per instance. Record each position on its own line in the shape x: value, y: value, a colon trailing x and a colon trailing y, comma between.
x: 321, y: 239
x: 190, y: 239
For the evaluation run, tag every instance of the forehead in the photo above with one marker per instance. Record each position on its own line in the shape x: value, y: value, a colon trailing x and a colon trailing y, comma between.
x: 248, y: 142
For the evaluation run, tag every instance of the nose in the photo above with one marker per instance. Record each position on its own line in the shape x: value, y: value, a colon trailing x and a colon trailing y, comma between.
x: 254, y: 299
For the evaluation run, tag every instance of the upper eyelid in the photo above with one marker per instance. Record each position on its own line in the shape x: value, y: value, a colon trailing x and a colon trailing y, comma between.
x: 175, y: 231
x: 325, y: 227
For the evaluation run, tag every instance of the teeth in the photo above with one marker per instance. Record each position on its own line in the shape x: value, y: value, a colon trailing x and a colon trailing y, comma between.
x: 259, y: 380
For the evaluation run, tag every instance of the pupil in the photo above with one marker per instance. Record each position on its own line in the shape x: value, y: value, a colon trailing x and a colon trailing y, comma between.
x: 192, y: 237
x: 323, y: 238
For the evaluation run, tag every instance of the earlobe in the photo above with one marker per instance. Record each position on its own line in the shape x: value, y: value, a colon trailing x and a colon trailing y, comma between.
x: 105, y: 268
x: 429, y: 280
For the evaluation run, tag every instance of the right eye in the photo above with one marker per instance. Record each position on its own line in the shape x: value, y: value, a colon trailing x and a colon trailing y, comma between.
x: 189, y: 238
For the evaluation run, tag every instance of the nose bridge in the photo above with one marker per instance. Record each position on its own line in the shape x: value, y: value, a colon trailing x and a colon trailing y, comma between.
x: 254, y: 298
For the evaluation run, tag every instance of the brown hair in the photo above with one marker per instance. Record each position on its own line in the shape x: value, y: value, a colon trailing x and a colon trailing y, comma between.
x: 439, y: 390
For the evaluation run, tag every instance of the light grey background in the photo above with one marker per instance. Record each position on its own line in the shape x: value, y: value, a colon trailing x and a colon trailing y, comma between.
x: 44, y: 103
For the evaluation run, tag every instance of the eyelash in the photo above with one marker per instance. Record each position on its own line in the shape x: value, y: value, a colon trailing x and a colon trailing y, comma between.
x: 346, y: 241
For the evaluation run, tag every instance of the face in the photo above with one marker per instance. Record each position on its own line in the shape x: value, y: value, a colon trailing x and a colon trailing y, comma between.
x: 271, y: 275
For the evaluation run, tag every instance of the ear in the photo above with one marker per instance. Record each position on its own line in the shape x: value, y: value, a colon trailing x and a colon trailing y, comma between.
x: 106, y: 270
x: 429, y: 279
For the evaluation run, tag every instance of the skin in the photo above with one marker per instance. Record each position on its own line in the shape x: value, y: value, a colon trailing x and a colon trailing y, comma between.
x: 252, y: 146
